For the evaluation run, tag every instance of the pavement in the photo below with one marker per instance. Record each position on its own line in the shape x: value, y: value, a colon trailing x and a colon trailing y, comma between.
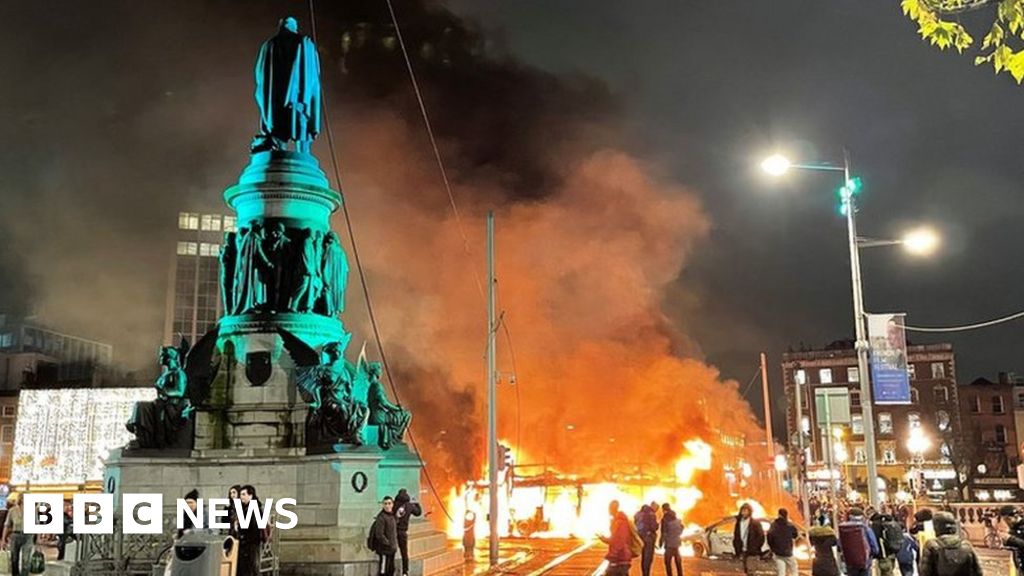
x: 555, y: 557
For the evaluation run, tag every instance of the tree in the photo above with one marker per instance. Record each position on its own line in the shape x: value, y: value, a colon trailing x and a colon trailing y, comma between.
x: 939, y: 22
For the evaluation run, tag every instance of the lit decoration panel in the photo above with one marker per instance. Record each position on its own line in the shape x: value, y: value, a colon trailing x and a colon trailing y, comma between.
x: 64, y: 436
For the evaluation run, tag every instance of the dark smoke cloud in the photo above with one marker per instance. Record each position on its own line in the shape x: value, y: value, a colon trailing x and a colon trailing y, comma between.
x: 125, y: 113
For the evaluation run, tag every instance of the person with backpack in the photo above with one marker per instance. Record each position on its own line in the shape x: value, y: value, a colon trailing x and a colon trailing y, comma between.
x: 948, y: 554
x: 622, y: 547
x: 671, y: 539
x: 823, y: 539
x: 747, y: 536
x: 405, y: 509
x: 646, y: 521
x: 890, y: 540
x: 781, y: 536
x: 908, y: 555
x: 858, y: 544
x: 383, y: 539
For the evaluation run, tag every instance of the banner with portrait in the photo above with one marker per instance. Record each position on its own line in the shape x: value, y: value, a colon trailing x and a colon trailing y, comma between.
x: 887, y: 340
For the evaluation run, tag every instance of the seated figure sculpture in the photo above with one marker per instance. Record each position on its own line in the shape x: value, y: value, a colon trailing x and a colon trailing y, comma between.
x: 159, y: 423
x: 391, y: 420
x: 335, y: 413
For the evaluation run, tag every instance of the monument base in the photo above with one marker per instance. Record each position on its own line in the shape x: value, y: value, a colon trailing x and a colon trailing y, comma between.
x: 337, y: 495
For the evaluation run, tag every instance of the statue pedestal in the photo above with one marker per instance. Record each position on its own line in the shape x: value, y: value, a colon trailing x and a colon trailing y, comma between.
x: 338, y: 495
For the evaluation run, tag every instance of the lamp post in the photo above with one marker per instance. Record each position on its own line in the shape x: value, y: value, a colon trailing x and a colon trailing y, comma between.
x: 921, y: 241
x: 918, y: 444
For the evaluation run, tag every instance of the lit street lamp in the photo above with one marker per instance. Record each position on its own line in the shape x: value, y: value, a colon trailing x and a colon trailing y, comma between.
x: 777, y: 165
x: 918, y: 444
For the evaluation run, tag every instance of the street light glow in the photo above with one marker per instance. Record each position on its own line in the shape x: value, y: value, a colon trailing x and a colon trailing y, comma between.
x: 918, y: 443
x: 781, y: 465
x: 776, y: 164
x: 921, y: 242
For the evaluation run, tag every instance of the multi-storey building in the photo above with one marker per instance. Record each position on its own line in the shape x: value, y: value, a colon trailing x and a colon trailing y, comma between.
x: 193, y: 296
x: 990, y: 447
x: 25, y: 345
x: 934, y: 410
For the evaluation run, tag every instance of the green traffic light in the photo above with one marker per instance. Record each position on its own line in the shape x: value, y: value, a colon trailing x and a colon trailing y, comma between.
x: 853, y: 185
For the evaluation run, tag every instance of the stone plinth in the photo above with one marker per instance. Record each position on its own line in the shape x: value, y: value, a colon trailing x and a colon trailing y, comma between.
x: 337, y: 496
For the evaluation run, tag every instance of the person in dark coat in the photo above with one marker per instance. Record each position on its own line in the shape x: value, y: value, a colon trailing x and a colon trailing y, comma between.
x: 781, y: 536
x: 250, y: 537
x: 620, y: 535
x: 405, y: 509
x: 384, y: 538
x: 671, y: 539
x: 646, y: 522
x: 823, y: 539
x: 948, y: 554
x: 908, y: 555
x: 747, y: 536
x: 191, y: 499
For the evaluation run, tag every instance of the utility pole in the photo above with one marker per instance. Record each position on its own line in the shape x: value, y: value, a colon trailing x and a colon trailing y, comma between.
x: 769, y: 442
x: 863, y: 371
x: 492, y: 397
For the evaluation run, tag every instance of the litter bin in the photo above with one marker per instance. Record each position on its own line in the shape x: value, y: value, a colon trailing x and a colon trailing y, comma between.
x: 204, y: 555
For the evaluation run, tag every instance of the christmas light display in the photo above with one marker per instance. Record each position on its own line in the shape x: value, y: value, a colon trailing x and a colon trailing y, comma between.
x: 63, y: 437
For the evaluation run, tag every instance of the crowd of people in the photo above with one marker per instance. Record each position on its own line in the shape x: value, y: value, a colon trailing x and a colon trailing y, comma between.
x: 856, y: 542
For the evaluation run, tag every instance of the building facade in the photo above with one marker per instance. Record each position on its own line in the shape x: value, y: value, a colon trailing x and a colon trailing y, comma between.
x: 934, y: 414
x: 990, y: 448
x: 193, y: 295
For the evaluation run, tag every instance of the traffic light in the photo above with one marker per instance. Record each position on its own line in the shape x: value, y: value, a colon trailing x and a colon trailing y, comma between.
x: 846, y: 193
x: 504, y: 457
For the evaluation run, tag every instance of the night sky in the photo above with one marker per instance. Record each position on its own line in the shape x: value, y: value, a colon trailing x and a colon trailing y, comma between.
x: 116, y: 114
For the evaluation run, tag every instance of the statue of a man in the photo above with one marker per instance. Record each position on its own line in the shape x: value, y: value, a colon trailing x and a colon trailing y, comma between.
x: 335, y: 414
x: 287, y: 90
x: 392, y: 421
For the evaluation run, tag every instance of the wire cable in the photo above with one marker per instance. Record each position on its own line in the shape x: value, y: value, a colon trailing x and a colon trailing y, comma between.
x: 515, y: 375
x: 362, y: 279
x: 966, y: 327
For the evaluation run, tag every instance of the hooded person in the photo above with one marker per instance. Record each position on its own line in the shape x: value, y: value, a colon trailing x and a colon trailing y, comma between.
x: 823, y: 539
x: 405, y: 509
x: 646, y: 521
x: 948, y: 554
x: 671, y: 539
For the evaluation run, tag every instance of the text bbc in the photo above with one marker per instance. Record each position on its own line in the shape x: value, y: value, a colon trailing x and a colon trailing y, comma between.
x: 143, y: 514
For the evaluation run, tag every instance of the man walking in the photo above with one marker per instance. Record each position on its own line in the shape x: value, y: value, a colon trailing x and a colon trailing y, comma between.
x: 646, y: 521
x: 858, y: 544
x: 781, y: 536
x: 620, y: 551
x: 947, y: 554
x: 384, y: 538
x: 250, y: 537
x: 671, y: 539
x: 405, y: 508
x: 14, y: 538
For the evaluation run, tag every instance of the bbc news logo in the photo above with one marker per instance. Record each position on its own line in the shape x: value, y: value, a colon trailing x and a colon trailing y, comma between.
x: 143, y: 514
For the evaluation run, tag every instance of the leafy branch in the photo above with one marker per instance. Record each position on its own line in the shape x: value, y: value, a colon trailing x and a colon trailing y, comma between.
x: 1002, y: 46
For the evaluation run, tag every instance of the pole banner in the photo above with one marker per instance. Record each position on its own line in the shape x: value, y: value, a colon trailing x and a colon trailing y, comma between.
x: 890, y: 379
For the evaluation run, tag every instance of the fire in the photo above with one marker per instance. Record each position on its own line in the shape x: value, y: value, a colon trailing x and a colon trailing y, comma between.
x: 553, y: 505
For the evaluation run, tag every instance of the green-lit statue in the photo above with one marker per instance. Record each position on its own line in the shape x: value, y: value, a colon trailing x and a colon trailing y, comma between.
x: 287, y: 90
x: 392, y: 421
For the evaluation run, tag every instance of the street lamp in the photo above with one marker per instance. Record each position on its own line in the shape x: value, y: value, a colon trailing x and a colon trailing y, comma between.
x: 777, y: 165
x: 918, y: 444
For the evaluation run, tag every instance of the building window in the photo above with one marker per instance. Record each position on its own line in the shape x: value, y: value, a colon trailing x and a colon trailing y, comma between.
x: 911, y: 371
x: 946, y: 453
x: 854, y: 399
x: 942, y: 420
x: 941, y: 394
x: 885, y: 423
x: 9, y: 411
x: 188, y: 221
x: 1018, y: 398
x: 191, y: 248
x: 6, y: 434
x: 997, y: 405
x: 976, y: 405
x: 800, y: 377
x: 852, y: 374
x: 938, y: 370
x: 806, y: 424
x: 857, y: 423
x: 888, y: 453
x: 860, y: 455
x: 210, y: 223
x: 229, y: 224
x: 1000, y: 434
x: 915, y: 396
x: 914, y: 420
x: 207, y: 249
x: 825, y: 375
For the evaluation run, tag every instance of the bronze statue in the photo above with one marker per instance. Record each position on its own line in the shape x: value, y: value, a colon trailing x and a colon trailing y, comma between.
x: 306, y: 281
x: 183, y: 382
x: 334, y: 275
x: 273, y: 263
x: 228, y: 262
x: 287, y: 90
x: 391, y: 420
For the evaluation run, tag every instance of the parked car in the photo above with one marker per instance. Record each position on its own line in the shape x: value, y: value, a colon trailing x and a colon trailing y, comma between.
x: 715, y: 540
